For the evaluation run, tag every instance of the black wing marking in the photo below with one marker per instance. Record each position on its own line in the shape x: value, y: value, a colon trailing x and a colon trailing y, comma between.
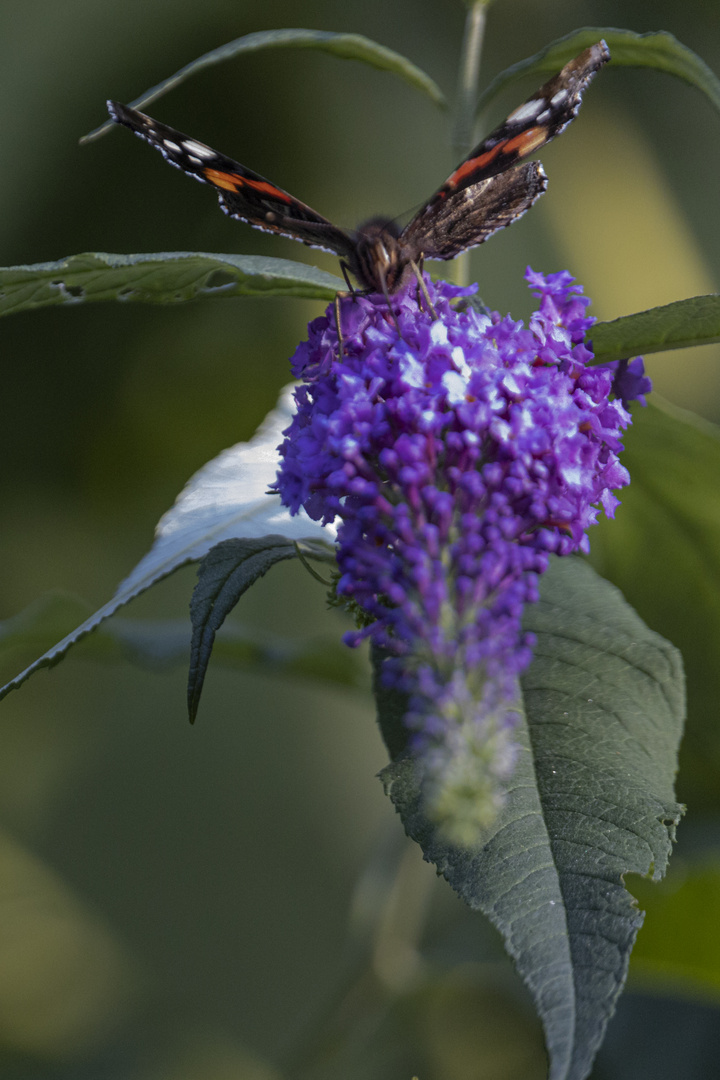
x: 243, y: 194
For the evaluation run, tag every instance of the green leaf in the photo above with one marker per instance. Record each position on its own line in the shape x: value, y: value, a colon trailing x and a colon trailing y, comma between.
x: 669, y: 524
x: 591, y: 800
x: 226, y: 572
x: 344, y: 46
x: 695, y: 321
x: 659, y: 50
x: 169, y: 277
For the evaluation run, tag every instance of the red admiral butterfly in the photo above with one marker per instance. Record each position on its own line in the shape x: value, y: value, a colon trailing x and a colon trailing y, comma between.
x: 484, y: 193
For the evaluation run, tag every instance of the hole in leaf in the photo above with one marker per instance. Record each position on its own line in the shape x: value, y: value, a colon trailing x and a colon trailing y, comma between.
x: 69, y: 292
x: 218, y: 278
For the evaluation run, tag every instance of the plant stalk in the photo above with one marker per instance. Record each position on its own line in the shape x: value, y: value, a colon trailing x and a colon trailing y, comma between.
x: 466, y: 100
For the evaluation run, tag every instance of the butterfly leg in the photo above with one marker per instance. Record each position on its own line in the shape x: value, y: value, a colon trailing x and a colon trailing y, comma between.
x: 351, y: 290
x: 386, y: 294
x: 417, y: 270
x: 338, y: 325
x: 343, y: 295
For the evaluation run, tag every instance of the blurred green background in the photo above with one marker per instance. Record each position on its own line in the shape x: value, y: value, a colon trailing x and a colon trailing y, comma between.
x: 174, y: 900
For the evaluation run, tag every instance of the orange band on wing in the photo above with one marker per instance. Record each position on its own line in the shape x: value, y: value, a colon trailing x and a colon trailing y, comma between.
x: 233, y: 182
x: 526, y: 141
x: 267, y: 189
x: 521, y: 144
x: 225, y: 180
x: 473, y: 164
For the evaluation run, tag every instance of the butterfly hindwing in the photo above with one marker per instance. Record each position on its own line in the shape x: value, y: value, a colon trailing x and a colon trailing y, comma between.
x: 243, y: 194
x: 470, y: 216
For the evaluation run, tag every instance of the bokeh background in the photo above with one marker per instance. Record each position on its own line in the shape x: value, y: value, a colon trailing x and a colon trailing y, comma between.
x: 176, y: 901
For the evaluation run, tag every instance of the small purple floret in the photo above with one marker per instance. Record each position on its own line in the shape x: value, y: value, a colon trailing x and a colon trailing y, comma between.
x: 630, y: 383
x: 455, y: 458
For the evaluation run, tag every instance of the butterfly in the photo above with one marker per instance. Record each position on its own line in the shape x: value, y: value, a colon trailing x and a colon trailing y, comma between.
x: 487, y: 191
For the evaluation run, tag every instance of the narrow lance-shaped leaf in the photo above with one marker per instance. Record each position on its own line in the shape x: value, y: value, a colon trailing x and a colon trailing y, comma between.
x: 344, y: 46
x: 227, y: 571
x: 590, y: 801
x: 695, y: 321
x: 660, y: 51
x: 170, y: 277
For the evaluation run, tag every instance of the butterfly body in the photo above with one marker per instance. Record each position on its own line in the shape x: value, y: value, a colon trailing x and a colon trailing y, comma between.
x: 489, y: 190
x: 377, y: 256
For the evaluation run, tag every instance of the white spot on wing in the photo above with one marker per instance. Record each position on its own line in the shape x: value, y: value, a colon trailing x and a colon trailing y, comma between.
x: 558, y: 98
x: 172, y: 146
x: 198, y: 149
x: 528, y: 111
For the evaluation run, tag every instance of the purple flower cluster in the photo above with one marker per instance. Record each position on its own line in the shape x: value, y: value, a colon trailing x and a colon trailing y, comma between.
x: 455, y: 456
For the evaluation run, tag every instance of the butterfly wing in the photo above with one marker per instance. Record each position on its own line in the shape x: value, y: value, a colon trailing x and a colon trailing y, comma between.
x: 467, y: 191
x: 243, y: 194
x: 472, y: 215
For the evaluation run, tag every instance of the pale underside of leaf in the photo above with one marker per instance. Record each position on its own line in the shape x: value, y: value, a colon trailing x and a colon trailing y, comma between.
x: 227, y: 499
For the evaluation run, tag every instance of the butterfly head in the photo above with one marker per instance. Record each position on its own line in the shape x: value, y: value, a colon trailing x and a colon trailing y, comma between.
x: 379, y: 261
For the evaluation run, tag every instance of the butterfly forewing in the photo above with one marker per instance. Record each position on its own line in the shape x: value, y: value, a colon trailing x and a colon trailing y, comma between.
x: 527, y: 128
x: 243, y: 194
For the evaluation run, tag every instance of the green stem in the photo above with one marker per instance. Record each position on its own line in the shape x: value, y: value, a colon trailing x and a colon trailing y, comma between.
x: 466, y: 100
x: 381, y: 959
x: 468, y: 74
